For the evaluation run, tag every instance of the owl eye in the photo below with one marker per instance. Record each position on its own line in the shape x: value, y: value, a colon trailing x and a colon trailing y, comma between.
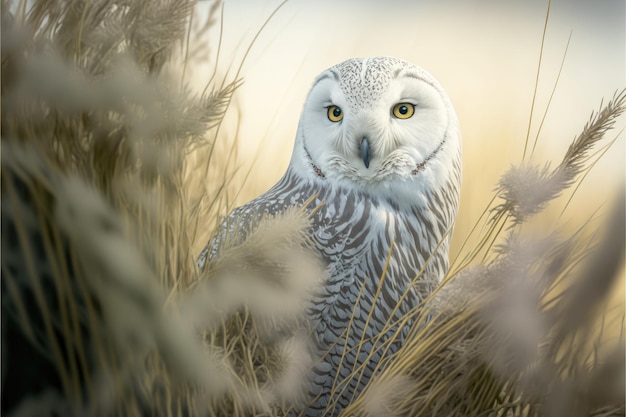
x: 335, y: 114
x: 403, y: 110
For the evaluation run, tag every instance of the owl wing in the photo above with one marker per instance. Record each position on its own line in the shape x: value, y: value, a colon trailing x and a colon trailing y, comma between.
x: 241, y: 221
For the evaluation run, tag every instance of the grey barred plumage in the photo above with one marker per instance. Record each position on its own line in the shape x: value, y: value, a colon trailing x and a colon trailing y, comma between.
x: 378, y: 143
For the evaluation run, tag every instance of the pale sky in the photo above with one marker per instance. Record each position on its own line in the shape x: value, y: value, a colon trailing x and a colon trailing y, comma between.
x: 484, y: 53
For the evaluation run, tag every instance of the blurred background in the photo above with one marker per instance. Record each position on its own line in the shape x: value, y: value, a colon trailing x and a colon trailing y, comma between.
x: 484, y: 52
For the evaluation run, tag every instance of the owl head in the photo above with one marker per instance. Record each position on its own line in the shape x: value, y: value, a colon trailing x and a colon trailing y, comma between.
x: 379, y: 124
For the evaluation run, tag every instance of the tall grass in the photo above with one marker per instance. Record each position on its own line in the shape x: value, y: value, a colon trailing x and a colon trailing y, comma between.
x: 115, y: 172
x: 112, y: 172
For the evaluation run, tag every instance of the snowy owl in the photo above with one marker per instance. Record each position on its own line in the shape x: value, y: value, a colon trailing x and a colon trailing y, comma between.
x: 378, y: 143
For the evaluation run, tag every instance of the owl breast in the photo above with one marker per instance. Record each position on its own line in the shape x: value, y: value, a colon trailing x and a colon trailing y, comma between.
x: 374, y: 251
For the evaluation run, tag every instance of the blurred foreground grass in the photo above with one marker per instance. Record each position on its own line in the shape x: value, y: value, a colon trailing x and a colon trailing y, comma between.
x: 115, y: 172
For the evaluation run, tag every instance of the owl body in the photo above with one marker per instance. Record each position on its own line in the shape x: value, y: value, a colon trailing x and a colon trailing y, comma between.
x: 378, y: 146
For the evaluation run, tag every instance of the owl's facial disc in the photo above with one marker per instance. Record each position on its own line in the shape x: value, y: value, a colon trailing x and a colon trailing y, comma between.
x: 367, y: 124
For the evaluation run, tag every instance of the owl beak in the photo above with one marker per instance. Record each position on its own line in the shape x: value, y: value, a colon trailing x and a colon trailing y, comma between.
x: 365, y: 152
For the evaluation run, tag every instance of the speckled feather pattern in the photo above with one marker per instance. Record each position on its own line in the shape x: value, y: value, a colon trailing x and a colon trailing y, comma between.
x: 365, y: 79
x: 353, y: 232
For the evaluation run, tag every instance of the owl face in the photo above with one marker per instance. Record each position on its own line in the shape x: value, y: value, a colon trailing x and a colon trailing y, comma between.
x: 374, y: 121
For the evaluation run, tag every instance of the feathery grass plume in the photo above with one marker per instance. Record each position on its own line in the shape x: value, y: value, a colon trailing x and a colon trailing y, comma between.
x: 100, y: 138
x: 596, y: 278
x: 252, y: 302
x: 526, y: 190
x: 516, y: 333
x: 85, y: 101
x: 271, y: 272
x: 79, y: 300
